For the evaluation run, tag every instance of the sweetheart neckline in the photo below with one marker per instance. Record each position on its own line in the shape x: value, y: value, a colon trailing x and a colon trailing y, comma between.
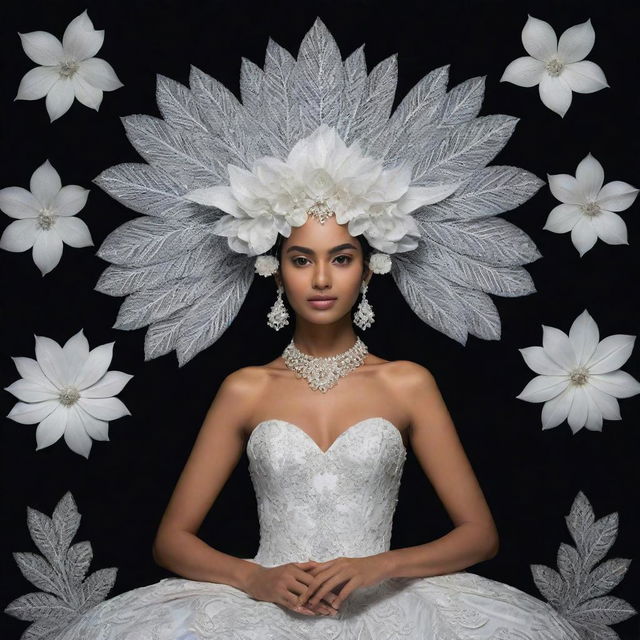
x: 317, y: 447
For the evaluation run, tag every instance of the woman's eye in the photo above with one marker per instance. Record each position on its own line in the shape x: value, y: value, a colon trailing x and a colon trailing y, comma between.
x: 295, y: 261
x: 347, y: 259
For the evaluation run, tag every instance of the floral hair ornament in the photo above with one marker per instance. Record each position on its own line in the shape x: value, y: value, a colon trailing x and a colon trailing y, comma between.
x: 314, y: 135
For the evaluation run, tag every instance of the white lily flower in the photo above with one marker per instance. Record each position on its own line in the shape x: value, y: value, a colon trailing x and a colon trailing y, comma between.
x: 557, y: 67
x: 588, y: 207
x: 69, y: 69
x: 68, y: 390
x: 45, y: 217
x: 579, y: 375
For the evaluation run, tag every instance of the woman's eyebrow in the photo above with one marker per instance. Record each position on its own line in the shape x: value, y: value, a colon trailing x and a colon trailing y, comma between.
x: 307, y: 250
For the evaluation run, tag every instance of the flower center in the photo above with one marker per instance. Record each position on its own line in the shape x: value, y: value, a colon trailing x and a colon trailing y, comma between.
x: 590, y: 209
x: 68, y: 396
x: 554, y: 67
x: 46, y: 218
x: 68, y: 68
x: 579, y: 376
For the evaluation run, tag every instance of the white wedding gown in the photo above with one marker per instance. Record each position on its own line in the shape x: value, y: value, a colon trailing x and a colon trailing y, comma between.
x: 319, y: 505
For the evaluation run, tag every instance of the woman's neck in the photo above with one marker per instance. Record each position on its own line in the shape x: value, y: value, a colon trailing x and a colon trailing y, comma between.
x: 324, y: 340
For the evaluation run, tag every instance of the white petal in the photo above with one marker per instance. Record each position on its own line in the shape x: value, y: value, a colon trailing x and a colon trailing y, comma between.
x: 28, y: 391
x: 594, y: 415
x: 30, y: 413
x: 50, y: 430
x: 74, y: 232
x: 555, y: 93
x: 45, y: 183
x: 539, y: 39
x: 608, y: 405
x: 221, y: 197
x: 76, y: 351
x: 30, y: 370
x: 53, y: 361
x: 42, y: 47
x: 60, y: 98
x: 565, y: 188
x: 525, y: 72
x: 583, y: 236
x: 100, y: 74
x: 20, y: 235
x: 110, y: 384
x: 538, y: 360
x: 557, y: 409
x: 610, y: 227
x: 617, y: 196
x: 37, y: 83
x: 611, y: 353
x: 70, y: 200
x: 616, y: 383
x: 17, y: 202
x: 97, y: 429
x: 75, y: 435
x: 576, y: 42
x: 584, y: 336
x: 104, y: 408
x: 86, y: 93
x: 590, y: 176
x: 95, y: 366
x: 419, y: 196
x: 578, y: 411
x: 584, y: 77
x: 80, y: 39
x: 558, y: 347
x: 543, y: 388
x: 47, y: 251
x: 563, y: 218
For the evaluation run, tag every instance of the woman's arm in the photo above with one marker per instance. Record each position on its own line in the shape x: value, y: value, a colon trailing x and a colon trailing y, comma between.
x: 215, y: 454
x: 436, y: 444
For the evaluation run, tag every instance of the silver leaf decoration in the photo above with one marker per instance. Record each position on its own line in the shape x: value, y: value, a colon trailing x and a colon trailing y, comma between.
x: 176, y: 274
x: 579, y: 592
x: 66, y: 593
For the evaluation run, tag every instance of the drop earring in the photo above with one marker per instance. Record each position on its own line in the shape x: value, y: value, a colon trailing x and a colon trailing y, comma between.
x: 364, y: 316
x: 278, y: 316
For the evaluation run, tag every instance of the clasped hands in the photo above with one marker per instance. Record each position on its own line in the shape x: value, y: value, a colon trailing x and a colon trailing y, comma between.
x: 334, y: 580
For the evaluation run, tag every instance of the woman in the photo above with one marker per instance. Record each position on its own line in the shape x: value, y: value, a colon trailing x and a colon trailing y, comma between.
x: 326, y: 425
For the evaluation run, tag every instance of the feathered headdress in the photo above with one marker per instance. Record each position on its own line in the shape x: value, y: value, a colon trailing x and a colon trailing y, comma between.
x: 313, y: 135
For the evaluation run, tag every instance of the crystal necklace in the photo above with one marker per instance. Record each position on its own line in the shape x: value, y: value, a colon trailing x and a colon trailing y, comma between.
x: 324, y: 373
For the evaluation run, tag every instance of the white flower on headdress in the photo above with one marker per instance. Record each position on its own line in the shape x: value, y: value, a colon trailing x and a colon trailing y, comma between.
x: 68, y: 69
x: 266, y: 265
x: 380, y: 262
x: 322, y: 171
x: 558, y: 67
x: 587, y: 209
x: 46, y: 217
x: 579, y: 376
x: 68, y: 390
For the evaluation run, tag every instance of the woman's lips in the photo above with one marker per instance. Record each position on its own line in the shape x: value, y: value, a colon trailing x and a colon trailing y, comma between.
x: 322, y: 304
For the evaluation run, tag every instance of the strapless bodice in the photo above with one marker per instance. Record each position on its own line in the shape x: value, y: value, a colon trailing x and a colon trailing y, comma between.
x: 320, y: 505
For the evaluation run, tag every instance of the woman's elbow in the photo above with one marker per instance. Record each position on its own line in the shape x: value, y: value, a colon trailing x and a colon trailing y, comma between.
x: 492, y: 544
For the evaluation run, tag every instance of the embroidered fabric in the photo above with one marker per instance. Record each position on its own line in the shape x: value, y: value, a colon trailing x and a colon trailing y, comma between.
x: 315, y: 504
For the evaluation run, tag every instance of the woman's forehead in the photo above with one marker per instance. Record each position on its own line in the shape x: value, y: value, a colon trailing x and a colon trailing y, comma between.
x: 320, y: 236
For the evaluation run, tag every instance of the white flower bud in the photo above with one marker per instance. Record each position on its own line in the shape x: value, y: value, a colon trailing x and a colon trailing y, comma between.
x: 266, y: 265
x: 380, y: 262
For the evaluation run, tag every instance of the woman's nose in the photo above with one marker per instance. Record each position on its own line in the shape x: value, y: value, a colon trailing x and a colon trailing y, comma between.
x: 321, y: 276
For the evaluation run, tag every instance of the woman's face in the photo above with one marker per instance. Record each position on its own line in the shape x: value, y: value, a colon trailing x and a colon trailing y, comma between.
x: 321, y: 260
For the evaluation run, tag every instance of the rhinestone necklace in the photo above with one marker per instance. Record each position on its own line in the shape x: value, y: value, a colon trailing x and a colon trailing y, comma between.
x: 324, y: 373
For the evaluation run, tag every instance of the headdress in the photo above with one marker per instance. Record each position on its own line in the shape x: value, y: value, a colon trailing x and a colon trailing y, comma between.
x: 314, y: 136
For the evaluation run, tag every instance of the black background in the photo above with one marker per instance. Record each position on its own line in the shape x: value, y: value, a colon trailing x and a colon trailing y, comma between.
x: 530, y: 477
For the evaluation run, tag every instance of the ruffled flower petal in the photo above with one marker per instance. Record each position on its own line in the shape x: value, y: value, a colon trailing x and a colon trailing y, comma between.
x: 616, y: 196
x: 555, y: 93
x: 539, y: 39
x: 584, y: 77
x: 20, y: 235
x: 576, y: 42
x: 524, y: 72
x: 80, y: 39
x: 37, y: 83
x: 42, y: 47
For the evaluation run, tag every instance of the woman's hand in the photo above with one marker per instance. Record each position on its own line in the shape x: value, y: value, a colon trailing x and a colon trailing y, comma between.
x: 341, y: 576
x: 284, y: 583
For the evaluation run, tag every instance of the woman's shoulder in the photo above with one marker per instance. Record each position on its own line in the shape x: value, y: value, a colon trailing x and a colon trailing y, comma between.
x: 406, y: 373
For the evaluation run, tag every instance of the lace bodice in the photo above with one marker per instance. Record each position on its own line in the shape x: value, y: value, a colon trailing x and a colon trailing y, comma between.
x: 319, y: 505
